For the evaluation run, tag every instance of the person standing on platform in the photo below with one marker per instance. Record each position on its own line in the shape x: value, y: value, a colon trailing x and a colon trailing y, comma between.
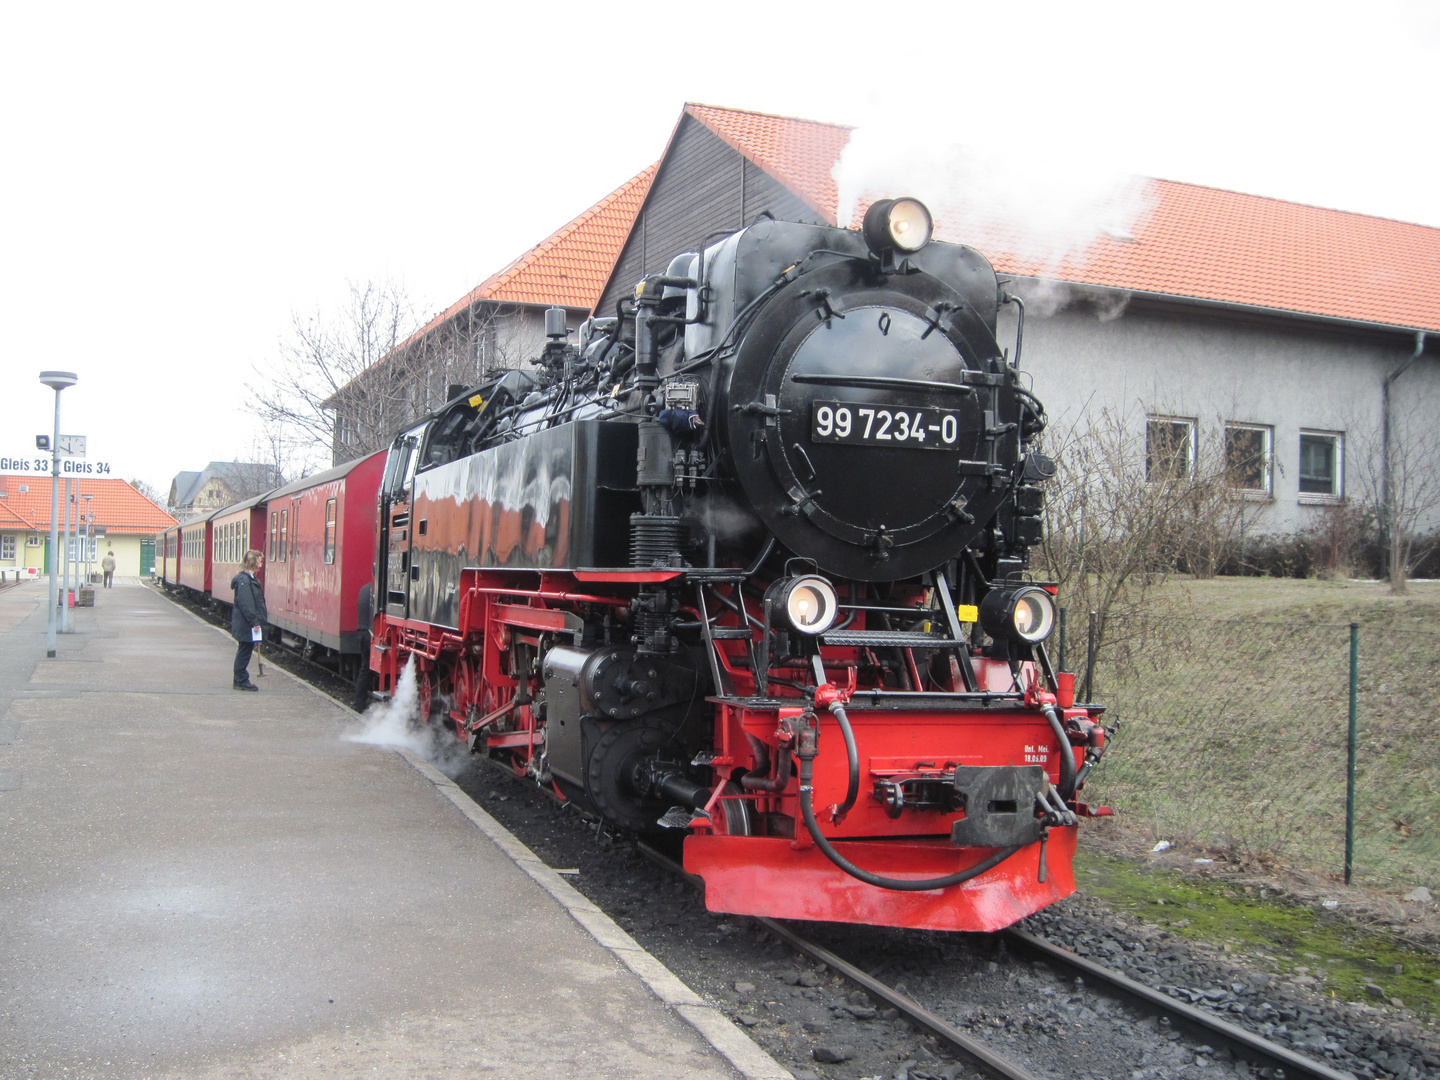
x: 108, y: 565
x: 247, y: 617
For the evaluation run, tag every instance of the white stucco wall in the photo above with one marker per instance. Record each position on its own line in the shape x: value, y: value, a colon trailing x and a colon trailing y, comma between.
x: 1216, y: 369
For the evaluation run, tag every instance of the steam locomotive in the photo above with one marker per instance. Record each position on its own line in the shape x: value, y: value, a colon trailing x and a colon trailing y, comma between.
x: 746, y: 560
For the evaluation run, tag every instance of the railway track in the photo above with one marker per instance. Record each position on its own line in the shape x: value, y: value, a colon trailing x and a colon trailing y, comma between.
x: 1266, y: 1057
x: 1262, y: 1053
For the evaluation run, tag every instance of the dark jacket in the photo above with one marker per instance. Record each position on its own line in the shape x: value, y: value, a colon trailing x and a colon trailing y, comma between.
x: 249, y: 609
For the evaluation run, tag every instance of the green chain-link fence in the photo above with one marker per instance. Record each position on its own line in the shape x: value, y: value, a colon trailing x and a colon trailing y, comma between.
x: 1234, y: 735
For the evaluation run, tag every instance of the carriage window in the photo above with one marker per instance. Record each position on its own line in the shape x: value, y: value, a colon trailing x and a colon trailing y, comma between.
x: 329, y: 530
x: 1322, y: 470
x: 1169, y: 448
x: 1247, y: 457
x: 274, y: 533
x: 284, y: 534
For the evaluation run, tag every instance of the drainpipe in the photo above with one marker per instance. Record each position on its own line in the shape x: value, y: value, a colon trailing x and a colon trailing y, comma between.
x: 1387, y: 523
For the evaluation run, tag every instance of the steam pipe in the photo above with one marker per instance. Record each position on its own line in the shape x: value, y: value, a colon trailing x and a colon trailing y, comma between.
x: 758, y: 779
x: 1011, y: 298
x: 1386, y: 496
x: 1068, y: 775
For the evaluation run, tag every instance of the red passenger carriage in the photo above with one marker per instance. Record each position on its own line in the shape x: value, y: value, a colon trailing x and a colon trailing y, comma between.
x: 320, y: 551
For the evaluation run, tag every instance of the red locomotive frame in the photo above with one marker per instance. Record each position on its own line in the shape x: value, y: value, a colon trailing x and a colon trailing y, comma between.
x: 471, y: 668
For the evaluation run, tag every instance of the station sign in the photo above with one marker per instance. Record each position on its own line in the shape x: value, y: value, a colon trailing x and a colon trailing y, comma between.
x: 73, y: 461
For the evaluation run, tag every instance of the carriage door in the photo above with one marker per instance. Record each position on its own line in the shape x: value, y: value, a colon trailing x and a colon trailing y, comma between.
x: 293, y: 579
x: 396, y: 503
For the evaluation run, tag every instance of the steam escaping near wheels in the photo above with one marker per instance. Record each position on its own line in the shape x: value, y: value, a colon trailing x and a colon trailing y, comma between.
x: 396, y: 724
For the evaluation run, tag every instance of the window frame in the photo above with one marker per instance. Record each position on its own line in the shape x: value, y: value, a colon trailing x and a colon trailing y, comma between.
x: 8, y: 541
x: 1336, y: 494
x: 284, y: 535
x: 330, y: 517
x: 1266, y: 490
x: 1192, y: 427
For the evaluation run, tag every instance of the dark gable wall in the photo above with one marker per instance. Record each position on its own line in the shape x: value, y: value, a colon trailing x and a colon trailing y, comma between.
x: 703, y: 186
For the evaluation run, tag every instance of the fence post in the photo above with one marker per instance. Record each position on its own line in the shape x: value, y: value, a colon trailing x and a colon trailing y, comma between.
x: 1350, y: 750
x: 1090, y: 663
x: 1062, y: 641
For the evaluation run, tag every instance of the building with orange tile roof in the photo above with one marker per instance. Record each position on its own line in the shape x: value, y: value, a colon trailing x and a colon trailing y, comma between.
x: 497, y: 325
x: 1218, y: 318
x: 124, y: 523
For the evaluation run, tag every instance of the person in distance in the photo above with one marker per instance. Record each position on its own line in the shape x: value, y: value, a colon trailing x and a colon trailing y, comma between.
x: 107, y: 564
x: 247, y: 617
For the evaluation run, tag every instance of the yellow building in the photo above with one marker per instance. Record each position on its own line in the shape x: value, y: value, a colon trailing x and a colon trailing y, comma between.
x: 122, y: 522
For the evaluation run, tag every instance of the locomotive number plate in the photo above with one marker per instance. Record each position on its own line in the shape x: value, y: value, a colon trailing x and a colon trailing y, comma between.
x: 856, y: 424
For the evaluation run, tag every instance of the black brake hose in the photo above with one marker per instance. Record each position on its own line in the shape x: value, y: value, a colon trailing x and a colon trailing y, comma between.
x: 807, y: 811
x: 1068, y: 776
x: 852, y: 756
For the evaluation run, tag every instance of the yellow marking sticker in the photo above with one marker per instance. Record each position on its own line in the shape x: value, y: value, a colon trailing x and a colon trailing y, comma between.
x: 968, y: 613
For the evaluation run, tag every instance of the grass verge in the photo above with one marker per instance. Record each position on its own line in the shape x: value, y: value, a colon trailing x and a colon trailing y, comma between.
x: 1324, y: 953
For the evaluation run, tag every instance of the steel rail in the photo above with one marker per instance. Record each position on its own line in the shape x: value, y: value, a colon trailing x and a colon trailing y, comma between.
x: 909, y: 1008
x: 1246, y: 1043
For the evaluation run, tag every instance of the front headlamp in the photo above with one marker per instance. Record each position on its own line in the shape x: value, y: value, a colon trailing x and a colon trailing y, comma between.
x: 897, y: 225
x: 1025, y: 613
x: 808, y: 603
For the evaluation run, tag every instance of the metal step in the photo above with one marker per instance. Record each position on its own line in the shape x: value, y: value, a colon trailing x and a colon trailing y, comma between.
x: 889, y: 639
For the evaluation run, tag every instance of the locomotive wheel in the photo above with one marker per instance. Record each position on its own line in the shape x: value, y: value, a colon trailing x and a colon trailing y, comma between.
x: 731, y: 817
x: 613, y: 762
x: 424, y: 691
x: 465, y: 689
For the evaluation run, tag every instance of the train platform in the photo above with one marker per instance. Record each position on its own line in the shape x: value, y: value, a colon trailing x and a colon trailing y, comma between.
x: 207, y: 884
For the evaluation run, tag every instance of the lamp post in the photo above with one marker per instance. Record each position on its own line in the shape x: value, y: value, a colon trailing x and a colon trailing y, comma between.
x: 57, y: 381
x: 88, y: 541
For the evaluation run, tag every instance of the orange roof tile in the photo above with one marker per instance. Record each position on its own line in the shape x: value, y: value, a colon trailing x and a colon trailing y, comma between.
x: 1195, y: 242
x: 117, y: 506
x: 10, y: 518
x: 798, y: 153
x: 569, y: 267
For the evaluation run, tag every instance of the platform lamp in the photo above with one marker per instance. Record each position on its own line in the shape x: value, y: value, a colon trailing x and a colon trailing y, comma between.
x: 57, y: 381
x: 88, y: 546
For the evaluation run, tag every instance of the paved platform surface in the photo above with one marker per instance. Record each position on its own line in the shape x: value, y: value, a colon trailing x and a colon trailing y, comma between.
x: 201, y: 883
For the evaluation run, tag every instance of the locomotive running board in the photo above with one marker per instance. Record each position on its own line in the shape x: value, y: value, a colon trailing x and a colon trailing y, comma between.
x: 769, y: 876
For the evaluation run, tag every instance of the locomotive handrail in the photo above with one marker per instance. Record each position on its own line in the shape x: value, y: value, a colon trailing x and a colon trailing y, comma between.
x: 880, y: 382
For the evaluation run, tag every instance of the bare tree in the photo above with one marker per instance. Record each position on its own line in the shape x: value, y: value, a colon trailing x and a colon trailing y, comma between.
x: 150, y: 491
x: 1409, y: 521
x: 324, y: 357
x: 1129, y: 505
x: 344, y: 385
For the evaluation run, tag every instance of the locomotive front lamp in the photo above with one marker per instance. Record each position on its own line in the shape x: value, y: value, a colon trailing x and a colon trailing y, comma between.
x: 1025, y: 614
x: 809, y: 603
x: 897, y: 225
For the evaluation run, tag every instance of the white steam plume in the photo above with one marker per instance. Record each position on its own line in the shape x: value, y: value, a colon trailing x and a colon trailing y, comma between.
x: 1036, y: 208
x: 396, y: 723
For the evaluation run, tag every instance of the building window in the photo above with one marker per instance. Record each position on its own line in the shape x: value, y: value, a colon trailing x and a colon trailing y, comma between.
x: 7, y: 547
x: 329, y: 531
x: 33, y: 540
x: 1322, y: 468
x: 1169, y: 448
x: 1248, y: 456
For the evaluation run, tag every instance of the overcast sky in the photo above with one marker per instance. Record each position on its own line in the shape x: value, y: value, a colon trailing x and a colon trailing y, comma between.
x: 180, y: 179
